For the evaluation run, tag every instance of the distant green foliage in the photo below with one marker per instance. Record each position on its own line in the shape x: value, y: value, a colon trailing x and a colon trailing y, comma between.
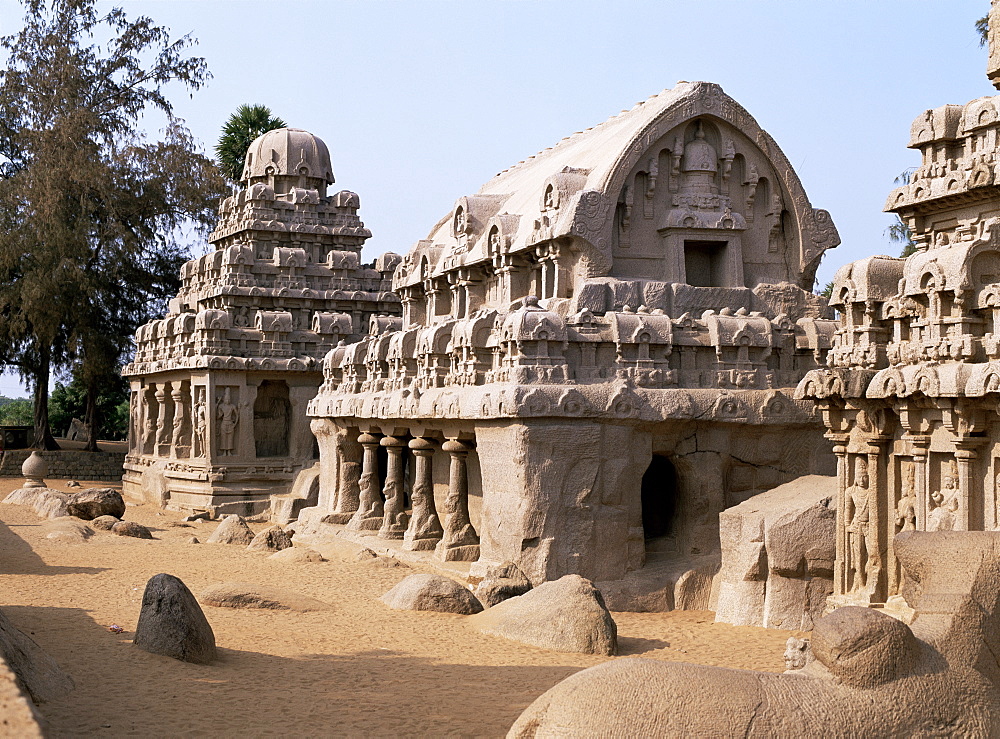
x: 243, y: 126
x: 70, y: 401
x: 899, y: 232
x: 983, y: 29
x: 16, y: 412
x: 827, y: 290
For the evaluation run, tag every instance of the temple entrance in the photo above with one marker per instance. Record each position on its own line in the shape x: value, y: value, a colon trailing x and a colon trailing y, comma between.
x: 271, y: 415
x: 705, y: 263
x: 659, y: 503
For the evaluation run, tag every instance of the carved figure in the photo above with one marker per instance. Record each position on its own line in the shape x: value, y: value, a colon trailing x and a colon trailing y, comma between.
x: 858, y: 518
x: 200, y: 427
x: 228, y: 416
x: 942, y: 515
x: 906, y: 508
x: 242, y: 319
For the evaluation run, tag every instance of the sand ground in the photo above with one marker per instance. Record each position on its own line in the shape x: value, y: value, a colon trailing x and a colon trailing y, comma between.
x: 359, y: 669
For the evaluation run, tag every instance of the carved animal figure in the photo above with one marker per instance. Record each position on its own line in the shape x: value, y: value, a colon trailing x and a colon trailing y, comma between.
x: 872, y: 674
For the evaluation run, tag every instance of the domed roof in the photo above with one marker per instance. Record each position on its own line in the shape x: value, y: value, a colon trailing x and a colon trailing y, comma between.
x: 290, y: 152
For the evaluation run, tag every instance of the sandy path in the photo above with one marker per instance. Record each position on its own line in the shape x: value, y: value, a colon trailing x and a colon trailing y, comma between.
x: 359, y: 669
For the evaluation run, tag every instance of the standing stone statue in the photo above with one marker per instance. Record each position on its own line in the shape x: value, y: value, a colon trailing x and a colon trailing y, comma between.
x: 200, y: 426
x: 857, y: 525
x: 228, y: 416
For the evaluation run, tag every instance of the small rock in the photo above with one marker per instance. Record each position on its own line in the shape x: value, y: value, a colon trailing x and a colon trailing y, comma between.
x: 172, y: 623
x: 298, y: 555
x: 271, y: 539
x: 502, y: 582
x: 365, y: 555
x: 232, y: 530
x: 567, y: 614
x: 72, y: 484
x: 203, y: 516
x: 131, y: 528
x: 104, y: 523
x: 192, y: 540
x: 432, y: 593
x: 94, y: 502
x: 245, y: 595
x: 67, y: 529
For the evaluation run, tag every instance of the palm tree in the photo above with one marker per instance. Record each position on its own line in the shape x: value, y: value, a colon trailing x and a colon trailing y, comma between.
x: 243, y: 126
x: 983, y: 29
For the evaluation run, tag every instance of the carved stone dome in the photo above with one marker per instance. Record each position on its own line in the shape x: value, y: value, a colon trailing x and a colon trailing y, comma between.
x: 699, y: 155
x: 288, y: 152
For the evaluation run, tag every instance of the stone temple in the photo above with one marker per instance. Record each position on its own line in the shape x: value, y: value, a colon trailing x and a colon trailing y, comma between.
x: 219, y: 386
x: 910, y: 396
x: 597, y: 355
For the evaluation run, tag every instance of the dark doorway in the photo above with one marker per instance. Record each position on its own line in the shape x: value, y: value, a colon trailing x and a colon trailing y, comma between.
x: 659, y: 500
x: 704, y: 263
x: 271, y: 416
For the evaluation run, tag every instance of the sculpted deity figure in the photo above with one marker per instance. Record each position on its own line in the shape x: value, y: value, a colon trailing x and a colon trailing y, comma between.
x: 857, y: 517
x: 200, y: 426
x: 906, y: 509
x: 228, y: 416
x: 242, y: 319
x: 942, y: 516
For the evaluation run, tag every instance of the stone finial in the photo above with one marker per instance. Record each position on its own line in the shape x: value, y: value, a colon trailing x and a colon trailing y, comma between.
x: 993, y: 65
x: 34, y: 469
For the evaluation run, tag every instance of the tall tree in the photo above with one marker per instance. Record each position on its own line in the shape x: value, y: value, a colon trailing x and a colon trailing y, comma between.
x: 92, y: 214
x: 983, y: 29
x: 243, y: 126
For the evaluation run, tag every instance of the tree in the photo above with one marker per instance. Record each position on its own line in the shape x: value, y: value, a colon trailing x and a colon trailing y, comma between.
x: 243, y: 126
x: 92, y: 214
x: 983, y: 29
x: 898, y: 232
x: 75, y: 401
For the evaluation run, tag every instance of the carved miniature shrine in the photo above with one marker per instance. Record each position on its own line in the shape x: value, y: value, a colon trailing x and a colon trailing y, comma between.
x: 219, y: 386
x: 910, y: 396
x: 597, y: 355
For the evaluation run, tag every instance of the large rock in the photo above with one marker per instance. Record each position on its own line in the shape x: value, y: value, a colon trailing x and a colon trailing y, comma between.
x: 872, y: 675
x: 271, y: 539
x: 245, y: 595
x: 93, y: 502
x: 232, y: 530
x: 45, y: 502
x: 37, y: 672
x: 567, y: 614
x: 432, y: 593
x: 778, y: 550
x: 171, y: 622
x: 502, y: 582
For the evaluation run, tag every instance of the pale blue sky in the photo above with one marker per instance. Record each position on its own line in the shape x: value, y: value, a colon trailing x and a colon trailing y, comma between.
x: 422, y: 101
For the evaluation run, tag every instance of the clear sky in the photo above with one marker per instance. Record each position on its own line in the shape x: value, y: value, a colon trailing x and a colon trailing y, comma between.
x: 422, y: 101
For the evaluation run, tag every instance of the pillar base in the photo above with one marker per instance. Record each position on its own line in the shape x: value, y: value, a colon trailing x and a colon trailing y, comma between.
x: 32, y: 483
x: 419, y: 545
x: 365, y: 524
x: 341, y: 518
x: 461, y: 553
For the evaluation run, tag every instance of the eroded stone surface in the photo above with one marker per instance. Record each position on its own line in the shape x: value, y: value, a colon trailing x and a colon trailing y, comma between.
x: 45, y: 502
x: 131, y: 528
x: 232, y: 530
x: 298, y: 555
x: 246, y: 595
x: 432, y: 593
x: 93, y: 502
x: 271, y: 539
x: 502, y: 582
x: 172, y: 623
x: 567, y: 615
x: 37, y: 672
x: 104, y: 523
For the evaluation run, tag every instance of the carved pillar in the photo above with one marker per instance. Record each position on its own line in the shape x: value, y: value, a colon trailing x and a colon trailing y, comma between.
x: 394, y: 518
x: 966, y: 456
x: 368, y: 517
x: 164, y: 421
x: 425, y: 528
x: 920, y: 458
x: 460, y: 542
x: 877, y: 537
x: 347, y: 496
x: 841, y: 566
x: 178, y: 433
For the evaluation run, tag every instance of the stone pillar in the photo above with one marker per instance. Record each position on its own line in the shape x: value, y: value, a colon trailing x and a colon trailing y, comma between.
x: 368, y: 517
x: 178, y: 431
x: 840, y: 570
x: 425, y: 530
x: 877, y: 538
x: 247, y: 444
x: 164, y: 420
x: 347, y: 496
x: 920, y: 458
x: 394, y: 518
x: 966, y: 458
x: 460, y: 542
